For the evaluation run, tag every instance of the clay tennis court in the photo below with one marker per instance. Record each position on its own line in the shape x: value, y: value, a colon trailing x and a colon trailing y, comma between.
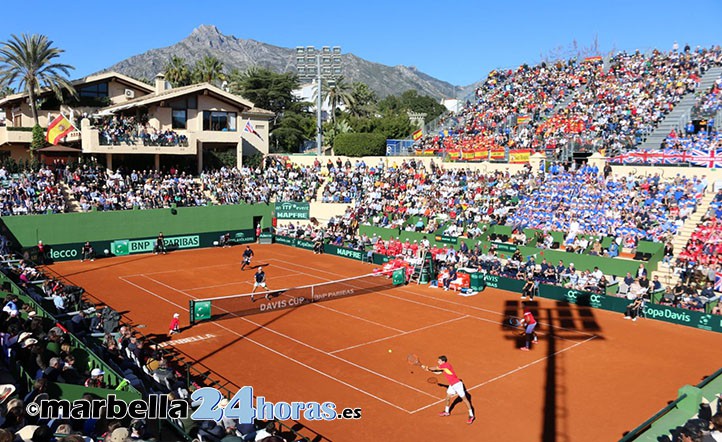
x: 591, y: 377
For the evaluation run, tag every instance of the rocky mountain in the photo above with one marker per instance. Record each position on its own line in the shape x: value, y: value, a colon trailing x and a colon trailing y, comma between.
x: 242, y: 54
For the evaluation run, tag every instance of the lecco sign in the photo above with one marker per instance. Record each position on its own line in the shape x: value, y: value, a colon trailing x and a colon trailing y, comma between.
x: 62, y: 254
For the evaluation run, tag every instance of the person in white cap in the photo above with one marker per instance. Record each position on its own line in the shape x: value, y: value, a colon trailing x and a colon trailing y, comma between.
x: 95, y: 379
x: 174, y: 325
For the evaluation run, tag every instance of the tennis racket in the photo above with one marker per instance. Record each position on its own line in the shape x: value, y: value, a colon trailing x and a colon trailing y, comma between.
x: 514, y: 322
x: 413, y: 360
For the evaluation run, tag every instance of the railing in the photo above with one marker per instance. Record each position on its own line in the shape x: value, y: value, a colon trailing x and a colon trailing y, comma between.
x: 162, y: 141
x: 112, y: 377
x: 646, y: 425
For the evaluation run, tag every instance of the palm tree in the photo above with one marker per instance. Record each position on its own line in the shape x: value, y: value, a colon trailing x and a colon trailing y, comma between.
x: 28, y: 60
x: 177, y: 72
x: 5, y: 91
x: 208, y: 69
x: 339, y: 93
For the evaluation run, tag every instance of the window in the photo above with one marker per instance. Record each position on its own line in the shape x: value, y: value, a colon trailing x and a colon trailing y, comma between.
x: 99, y: 90
x: 179, y: 118
x: 184, y: 103
x: 219, y: 121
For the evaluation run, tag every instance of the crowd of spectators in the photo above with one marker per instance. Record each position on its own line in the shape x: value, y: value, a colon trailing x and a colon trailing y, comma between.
x: 96, y: 187
x: 340, y: 231
x: 615, y: 106
x: 529, y: 92
x: 30, y: 193
x: 279, y: 180
x: 411, y: 196
x: 391, y: 195
x: 583, y: 201
x: 709, y: 102
x: 623, y: 105
x: 117, y: 130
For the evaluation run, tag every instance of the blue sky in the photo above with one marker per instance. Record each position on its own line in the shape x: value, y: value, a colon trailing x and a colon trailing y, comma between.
x: 459, y: 42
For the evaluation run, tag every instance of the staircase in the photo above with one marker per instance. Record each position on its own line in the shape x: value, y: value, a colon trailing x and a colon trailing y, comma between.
x: 680, y: 115
x: 665, y: 272
x: 73, y: 204
x: 576, y: 93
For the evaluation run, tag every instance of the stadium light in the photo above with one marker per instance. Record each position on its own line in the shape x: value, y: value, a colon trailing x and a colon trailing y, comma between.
x: 327, y: 63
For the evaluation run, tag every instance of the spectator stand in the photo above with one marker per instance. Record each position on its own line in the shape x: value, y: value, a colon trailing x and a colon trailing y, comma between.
x: 693, y: 402
x: 46, y: 336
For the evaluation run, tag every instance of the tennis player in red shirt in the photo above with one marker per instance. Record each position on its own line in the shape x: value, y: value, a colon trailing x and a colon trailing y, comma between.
x: 529, y: 323
x: 456, y: 387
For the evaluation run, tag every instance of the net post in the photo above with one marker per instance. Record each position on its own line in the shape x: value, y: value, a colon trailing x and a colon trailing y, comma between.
x: 192, y: 311
x: 312, y: 293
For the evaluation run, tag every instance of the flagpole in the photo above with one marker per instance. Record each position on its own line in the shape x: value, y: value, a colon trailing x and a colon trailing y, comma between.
x: 319, y: 127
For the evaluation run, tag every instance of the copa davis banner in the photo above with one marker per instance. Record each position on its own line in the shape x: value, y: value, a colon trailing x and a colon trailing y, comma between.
x: 659, y: 312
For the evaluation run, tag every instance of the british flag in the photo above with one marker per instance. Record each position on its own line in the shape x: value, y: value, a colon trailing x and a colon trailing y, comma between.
x: 619, y: 159
x: 647, y: 156
x: 671, y: 156
x: 706, y: 157
x: 628, y: 158
x: 718, y: 282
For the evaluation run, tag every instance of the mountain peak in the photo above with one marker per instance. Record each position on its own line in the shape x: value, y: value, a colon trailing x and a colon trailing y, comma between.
x: 241, y: 54
x: 209, y: 30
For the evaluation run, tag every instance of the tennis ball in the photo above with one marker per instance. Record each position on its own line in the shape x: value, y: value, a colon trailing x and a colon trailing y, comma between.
x: 389, y: 350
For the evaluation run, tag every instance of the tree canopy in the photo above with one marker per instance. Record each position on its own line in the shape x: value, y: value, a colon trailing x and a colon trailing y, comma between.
x: 29, y: 61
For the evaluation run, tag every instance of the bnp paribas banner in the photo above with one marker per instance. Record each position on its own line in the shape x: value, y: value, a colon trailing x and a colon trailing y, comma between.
x: 125, y: 246
x: 146, y: 245
x: 292, y: 210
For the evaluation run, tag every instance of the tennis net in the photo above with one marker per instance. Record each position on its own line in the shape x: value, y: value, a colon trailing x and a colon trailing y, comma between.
x: 243, y: 305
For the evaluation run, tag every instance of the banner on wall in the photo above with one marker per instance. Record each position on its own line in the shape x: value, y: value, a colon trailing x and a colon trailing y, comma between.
x: 292, y: 210
x: 519, y: 156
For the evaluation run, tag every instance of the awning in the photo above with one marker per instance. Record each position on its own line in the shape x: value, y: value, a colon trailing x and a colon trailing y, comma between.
x: 57, y: 148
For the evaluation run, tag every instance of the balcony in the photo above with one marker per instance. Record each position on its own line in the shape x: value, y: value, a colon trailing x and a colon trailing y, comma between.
x: 24, y: 135
x: 15, y: 135
x: 94, y: 142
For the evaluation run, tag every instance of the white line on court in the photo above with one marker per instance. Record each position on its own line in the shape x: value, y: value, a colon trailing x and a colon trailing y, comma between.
x: 400, y: 334
x: 175, y: 270
x: 290, y: 338
x: 510, y: 372
x: 246, y: 338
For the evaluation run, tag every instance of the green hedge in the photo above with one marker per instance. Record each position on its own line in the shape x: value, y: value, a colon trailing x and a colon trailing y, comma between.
x: 359, y: 144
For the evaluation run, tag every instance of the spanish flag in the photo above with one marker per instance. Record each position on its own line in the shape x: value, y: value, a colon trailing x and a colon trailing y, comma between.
x: 59, y: 128
x: 417, y: 134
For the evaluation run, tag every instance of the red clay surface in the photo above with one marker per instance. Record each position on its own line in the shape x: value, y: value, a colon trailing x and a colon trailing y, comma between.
x: 591, y: 377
